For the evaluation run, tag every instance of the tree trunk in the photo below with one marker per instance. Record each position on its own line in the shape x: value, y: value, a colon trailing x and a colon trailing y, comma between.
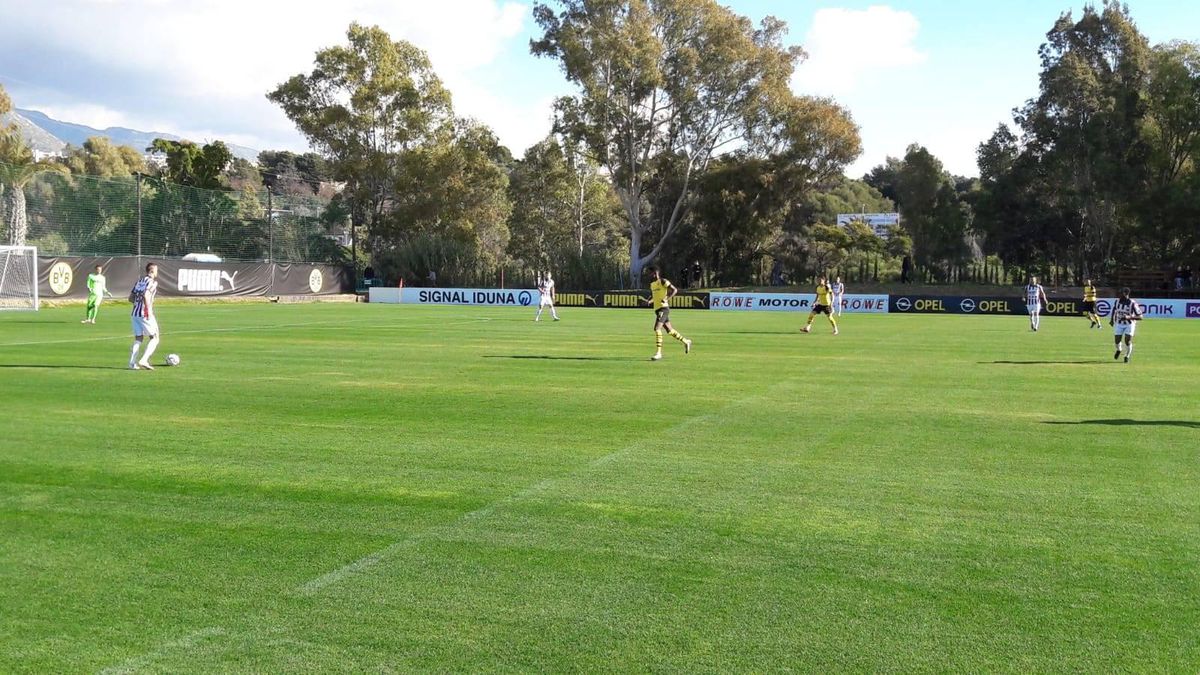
x: 635, y: 257
x: 580, y: 208
x: 18, y: 224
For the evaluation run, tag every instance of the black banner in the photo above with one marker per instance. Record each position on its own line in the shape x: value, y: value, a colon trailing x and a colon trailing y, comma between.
x: 627, y: 299
x: 66, y: 277
x: 977, y: 304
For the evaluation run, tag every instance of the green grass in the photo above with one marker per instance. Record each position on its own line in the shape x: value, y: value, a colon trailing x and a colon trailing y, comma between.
x: 951, y: 493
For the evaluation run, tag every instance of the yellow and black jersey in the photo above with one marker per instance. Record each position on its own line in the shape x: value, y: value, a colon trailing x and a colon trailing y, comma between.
x: 1089, y: 293
x: 658, y: 293
x: 824, y: 295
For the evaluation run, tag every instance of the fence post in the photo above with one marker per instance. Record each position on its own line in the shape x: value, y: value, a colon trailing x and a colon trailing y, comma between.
x: 270, y: 228
x: 138, y: 184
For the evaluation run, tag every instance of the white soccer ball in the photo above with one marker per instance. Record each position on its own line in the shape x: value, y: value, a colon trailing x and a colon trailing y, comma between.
x: 172, y: 359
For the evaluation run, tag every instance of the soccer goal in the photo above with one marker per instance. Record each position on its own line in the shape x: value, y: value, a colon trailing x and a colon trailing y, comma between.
x: 18, y: 278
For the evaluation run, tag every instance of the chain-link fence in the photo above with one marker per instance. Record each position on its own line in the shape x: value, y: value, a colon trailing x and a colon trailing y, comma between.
x: 142, y: 215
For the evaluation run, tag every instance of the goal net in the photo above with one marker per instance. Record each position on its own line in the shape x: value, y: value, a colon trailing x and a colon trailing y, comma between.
x: 18, y: 278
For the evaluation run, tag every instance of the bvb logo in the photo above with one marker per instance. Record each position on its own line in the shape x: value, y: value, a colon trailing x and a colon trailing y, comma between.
x: 61, y: 277
x: 315, y: 280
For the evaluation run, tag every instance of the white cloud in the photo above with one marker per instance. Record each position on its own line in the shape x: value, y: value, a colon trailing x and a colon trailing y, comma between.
x: 845, y: 45
x: 92, y: 115
x: 207, y: 64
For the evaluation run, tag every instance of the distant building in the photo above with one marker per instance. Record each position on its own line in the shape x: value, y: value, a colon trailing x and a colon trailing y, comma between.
x: 39, y: 155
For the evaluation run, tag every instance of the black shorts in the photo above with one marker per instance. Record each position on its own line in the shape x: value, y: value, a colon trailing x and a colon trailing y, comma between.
x: 822, y: 309
x: 1089, y: 305
x: 662, y: 315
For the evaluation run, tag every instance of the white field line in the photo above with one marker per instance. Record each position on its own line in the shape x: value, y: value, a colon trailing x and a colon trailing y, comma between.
x: 186, y: 643
x: 316, y: 585
x: 245, y: 329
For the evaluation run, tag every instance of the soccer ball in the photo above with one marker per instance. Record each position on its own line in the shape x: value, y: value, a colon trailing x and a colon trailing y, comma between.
x: 172, y: 359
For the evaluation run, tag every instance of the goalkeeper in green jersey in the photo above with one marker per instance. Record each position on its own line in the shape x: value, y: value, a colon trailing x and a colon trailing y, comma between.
x: 97, y: 289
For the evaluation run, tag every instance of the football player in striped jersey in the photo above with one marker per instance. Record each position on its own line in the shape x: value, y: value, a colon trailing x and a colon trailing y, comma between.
x: 1035, y: 300
x: 1126, y: 312
x: 145, y: 324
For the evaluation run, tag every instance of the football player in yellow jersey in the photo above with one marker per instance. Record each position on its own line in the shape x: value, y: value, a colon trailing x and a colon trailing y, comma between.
x: 661, y: 292
x: 1089, y: 303
x: 823, y: 305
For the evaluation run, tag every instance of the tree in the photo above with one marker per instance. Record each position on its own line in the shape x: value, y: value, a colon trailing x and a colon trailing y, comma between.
x: 561, y: 205
x: 664, y: 86
x: 883, y: 178
x: 748, y: 196
x: 99, y: 157
x: 1085, y: 130
x: 193, y: 165
x: 455, y: 188
x: 932, y: 211
x: 364, y: 105
x: 17, y: 169
x: 541, y: 185
x: 289, y: 173
x: 840, y: 195
x: 1166, y: 234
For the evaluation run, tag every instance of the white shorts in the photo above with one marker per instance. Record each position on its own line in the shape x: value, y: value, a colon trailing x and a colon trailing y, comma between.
x: 1034, y: 308
x: 546, y: 301
x: 1125, y: 329
x: 145, y: 326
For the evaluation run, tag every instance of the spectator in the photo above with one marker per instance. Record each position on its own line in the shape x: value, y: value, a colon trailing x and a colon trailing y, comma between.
x: 683, y: 276
x: 905, y: 269
x: 697, y: 273
x: 432, y: 279
x: 1180, y: 279
x: 1187, y: 276
x: 777, y: 273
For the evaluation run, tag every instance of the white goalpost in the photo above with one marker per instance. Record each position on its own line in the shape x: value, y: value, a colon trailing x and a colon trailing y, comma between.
x: 18, y: 278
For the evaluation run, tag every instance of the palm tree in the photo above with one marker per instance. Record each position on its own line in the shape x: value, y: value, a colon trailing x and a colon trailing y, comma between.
x: 17, y: 169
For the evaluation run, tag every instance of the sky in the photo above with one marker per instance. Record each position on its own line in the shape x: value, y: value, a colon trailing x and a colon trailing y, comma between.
x: 942, y: 73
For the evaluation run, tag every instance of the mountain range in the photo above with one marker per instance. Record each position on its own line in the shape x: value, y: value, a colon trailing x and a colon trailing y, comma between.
x: 48, y: 135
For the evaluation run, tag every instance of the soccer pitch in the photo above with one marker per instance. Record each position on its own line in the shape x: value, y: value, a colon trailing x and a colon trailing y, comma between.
x: 370, y: 488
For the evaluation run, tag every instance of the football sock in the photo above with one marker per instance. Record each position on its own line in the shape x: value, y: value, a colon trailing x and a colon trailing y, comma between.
x: 150, y: 347
x: 675, y: 334
x: 553, y: 313
x: 134, y: 352
x: 658, y: 340
x: 833, y: 321
x: 539, y: 314
x: 91, y: 310
x: 1129, y: 350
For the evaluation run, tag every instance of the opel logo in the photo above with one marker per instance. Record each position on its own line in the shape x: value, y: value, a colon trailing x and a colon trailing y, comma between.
x: 903, y: 304
x: 967, y: 305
